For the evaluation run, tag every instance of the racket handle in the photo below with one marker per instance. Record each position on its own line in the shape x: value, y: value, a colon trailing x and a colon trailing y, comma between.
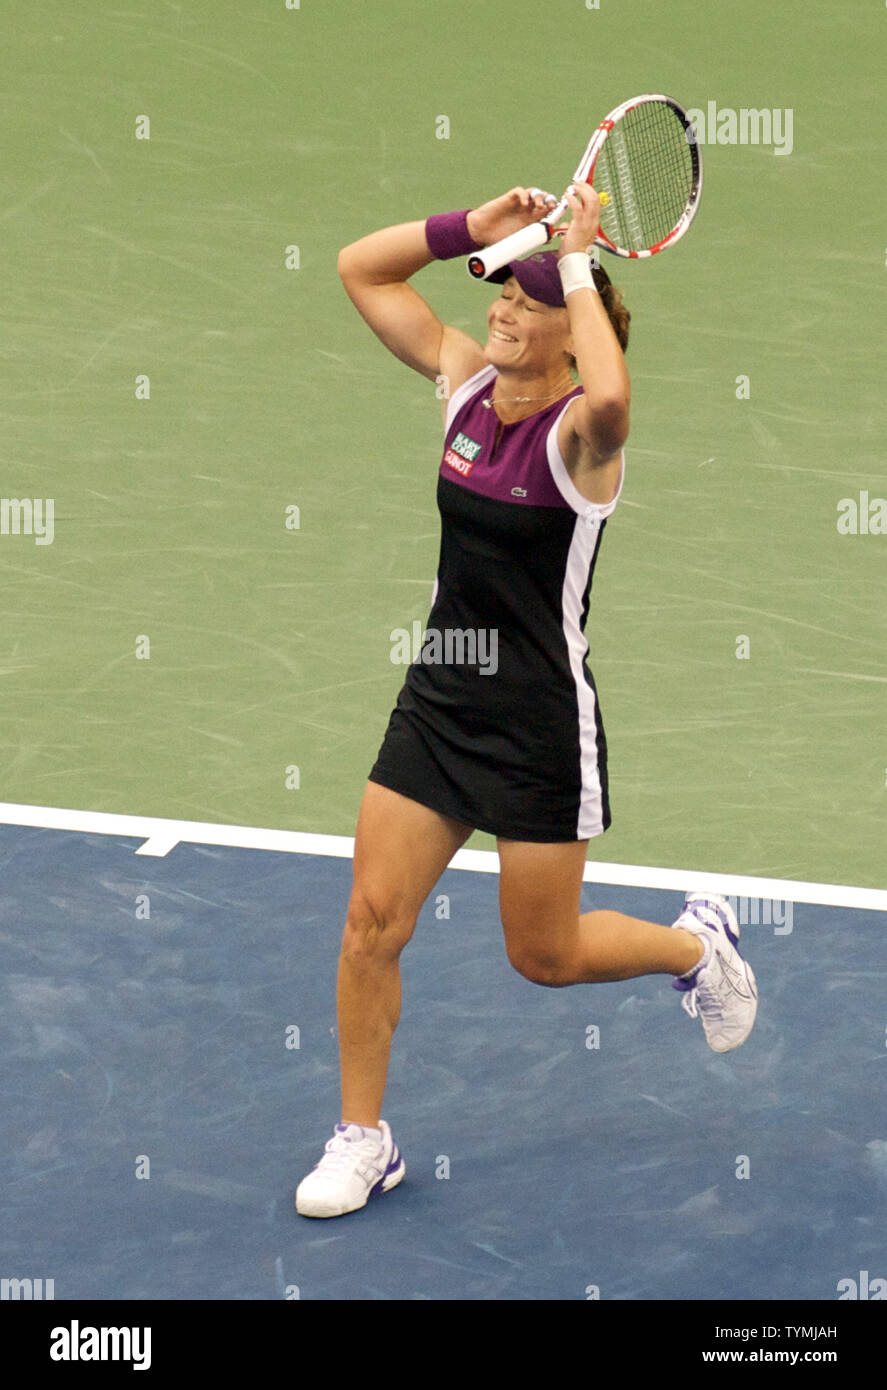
x: 511, y: 248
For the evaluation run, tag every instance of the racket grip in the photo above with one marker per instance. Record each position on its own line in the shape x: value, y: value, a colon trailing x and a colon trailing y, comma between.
x: 511, y: 248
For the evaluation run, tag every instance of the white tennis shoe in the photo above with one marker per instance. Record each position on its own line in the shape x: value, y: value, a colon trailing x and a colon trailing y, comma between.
x: 721, y: 989
x: 357, y: 1164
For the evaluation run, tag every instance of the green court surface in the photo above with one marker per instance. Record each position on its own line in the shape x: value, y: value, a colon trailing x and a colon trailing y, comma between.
x: 166, y: 258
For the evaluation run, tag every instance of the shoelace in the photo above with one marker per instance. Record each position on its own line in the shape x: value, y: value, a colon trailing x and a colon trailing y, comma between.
x: 340, y: 1152
x: 715, y: 989
x: 689, y: 1001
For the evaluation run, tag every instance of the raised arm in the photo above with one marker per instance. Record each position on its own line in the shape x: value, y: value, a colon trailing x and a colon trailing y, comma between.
x: 376, y: 269
x: 598, y: 419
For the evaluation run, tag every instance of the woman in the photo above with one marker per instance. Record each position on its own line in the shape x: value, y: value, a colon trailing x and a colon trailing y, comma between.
x: 497, y: 727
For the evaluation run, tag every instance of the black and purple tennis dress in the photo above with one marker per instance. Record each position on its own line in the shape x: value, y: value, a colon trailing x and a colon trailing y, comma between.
x: 498, y: 723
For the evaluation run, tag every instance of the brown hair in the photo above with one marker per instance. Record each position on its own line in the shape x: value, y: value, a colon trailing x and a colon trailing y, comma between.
x: 611, y: 298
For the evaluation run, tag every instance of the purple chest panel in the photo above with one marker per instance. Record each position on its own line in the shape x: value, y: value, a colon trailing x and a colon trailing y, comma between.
x: 513, y: 470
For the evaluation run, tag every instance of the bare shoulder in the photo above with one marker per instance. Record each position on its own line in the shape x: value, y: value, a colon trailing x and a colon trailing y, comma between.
x: 595, y: 478
x: 460, y: 357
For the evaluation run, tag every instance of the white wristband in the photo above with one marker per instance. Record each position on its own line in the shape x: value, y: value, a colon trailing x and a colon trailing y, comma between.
x: 575, y: 272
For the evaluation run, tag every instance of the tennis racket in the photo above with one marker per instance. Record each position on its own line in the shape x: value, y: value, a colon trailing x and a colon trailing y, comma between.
x: 645, y: 164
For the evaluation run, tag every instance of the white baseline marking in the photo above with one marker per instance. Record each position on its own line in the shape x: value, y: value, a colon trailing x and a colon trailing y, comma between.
x: 160, y: 836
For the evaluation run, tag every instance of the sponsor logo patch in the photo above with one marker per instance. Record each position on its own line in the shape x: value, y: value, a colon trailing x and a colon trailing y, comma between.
x: 463, y: 466
x: 466, y: 447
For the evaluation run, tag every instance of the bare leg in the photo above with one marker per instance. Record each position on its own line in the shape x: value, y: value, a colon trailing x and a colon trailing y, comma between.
x: 400, y: 851
x: 550, y: 942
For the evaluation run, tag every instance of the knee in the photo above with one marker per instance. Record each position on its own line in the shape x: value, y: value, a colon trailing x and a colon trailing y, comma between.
x: 540, y: 966
x: 374, y: 929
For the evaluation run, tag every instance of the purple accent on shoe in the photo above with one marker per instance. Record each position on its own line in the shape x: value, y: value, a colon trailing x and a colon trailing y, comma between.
x: 393, y: 1165
x: 734, y: 940
x: 683, y: 985
x: 447, y: 235
x: 364, y: 1130
x: 719, y: 912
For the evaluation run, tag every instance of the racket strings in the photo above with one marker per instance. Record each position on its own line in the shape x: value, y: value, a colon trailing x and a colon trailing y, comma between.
x: 646, y: 166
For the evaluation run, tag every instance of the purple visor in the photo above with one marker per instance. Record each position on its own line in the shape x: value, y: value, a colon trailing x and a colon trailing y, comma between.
x: 539, y: 278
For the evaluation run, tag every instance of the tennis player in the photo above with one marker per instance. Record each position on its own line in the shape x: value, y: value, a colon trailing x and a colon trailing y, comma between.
x: 497, y: 726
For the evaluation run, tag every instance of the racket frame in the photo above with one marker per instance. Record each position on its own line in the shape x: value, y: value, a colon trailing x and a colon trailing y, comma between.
x: 484, y: 263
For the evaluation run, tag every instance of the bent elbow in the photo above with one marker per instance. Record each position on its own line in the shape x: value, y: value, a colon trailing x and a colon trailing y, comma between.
x: 345, y: 262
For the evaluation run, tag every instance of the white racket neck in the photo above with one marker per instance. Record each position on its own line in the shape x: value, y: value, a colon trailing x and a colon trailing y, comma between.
x: 484, y: 263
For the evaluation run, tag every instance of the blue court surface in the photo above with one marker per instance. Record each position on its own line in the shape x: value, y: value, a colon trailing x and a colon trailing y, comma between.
x: 560, y: 1144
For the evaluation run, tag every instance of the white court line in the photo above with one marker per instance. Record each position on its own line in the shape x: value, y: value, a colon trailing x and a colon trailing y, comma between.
x: 844, y: 675
x: 160, y: 836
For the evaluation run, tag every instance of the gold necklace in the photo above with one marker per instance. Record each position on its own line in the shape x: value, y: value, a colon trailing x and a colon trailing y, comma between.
x: 526, y: 400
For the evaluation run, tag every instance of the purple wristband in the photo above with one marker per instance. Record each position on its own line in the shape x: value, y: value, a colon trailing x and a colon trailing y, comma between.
x: 447, y: 235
